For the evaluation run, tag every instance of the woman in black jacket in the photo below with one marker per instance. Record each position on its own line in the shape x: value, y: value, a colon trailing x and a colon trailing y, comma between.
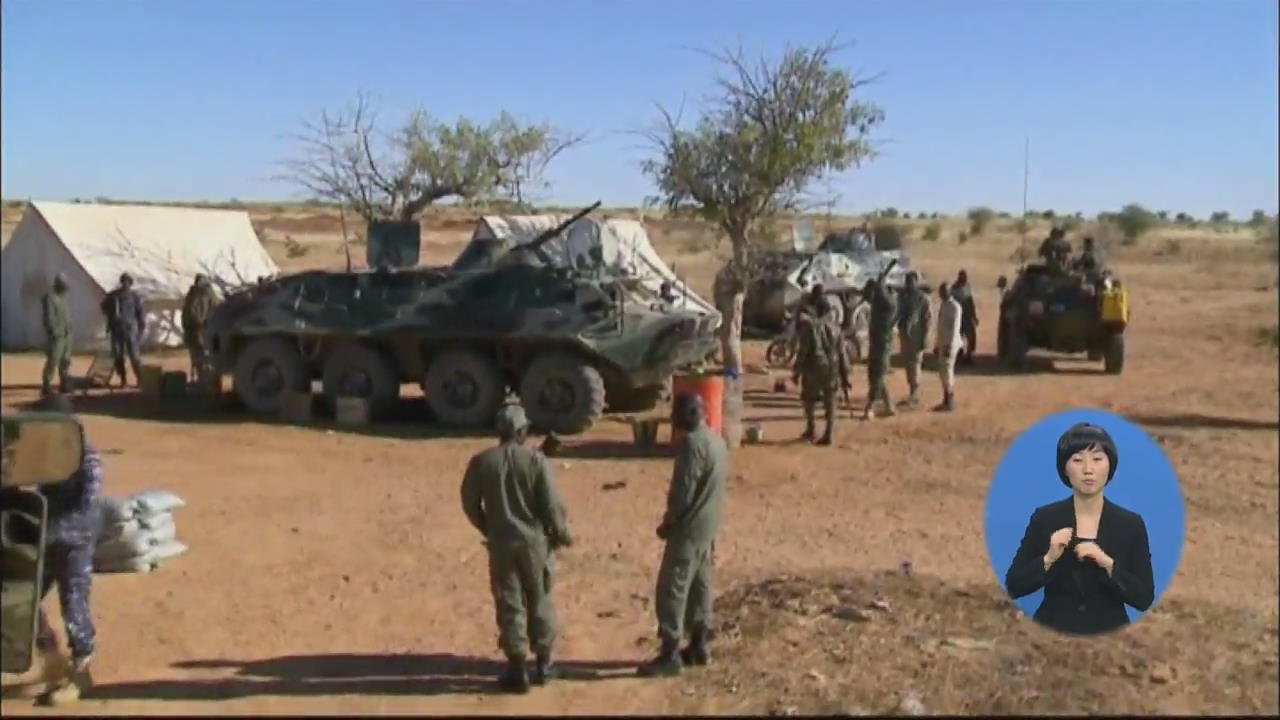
x: 1091, y: 556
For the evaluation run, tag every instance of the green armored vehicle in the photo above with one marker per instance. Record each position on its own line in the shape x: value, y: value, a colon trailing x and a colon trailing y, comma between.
x: 1063, y: 312
x: 572, y: 343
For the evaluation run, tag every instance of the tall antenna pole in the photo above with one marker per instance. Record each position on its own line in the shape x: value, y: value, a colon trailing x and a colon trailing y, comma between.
x: 1026, y: 165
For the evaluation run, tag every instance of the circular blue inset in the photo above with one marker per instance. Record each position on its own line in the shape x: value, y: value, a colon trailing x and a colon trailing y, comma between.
x: 1027, y: 478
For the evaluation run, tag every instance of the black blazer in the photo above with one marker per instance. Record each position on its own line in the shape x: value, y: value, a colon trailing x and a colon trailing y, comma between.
x: 1079, y: 597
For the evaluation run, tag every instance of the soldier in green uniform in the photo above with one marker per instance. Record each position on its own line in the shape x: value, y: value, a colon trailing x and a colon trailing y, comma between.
x: 914, y: 317
x: 57, y: 336
x: 821, y: 367
x: 695, y: 504
x: 883, y: 313
x: 508, y: 495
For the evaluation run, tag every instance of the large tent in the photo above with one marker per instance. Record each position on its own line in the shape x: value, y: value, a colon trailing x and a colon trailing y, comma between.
x: 623, y: 246
x: 163, y: 248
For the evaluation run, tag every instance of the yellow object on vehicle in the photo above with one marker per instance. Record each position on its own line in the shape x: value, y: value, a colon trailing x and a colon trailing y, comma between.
x: 1115, y: 305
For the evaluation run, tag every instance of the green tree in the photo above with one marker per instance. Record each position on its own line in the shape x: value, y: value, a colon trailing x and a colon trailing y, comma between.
x: 344, y: 157
x: 1134, y: 221
x: 1258, y: 219
x: 772, y: 132
x: 980, y: 219
x: 1221, y: 217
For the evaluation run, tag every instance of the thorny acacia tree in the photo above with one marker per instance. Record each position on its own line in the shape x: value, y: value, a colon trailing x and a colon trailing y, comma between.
x: 345, y: 157
x: 771, y: 133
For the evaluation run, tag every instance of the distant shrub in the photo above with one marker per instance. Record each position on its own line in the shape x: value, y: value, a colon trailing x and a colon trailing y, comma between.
x: 933, y: 231
x: 1220, y: 217
x: 979, y: 219
x: 294, y: 249
x: 963, y: 237
x: 1133, y: 221
x: 888, y: 235
x: 1258, y: 219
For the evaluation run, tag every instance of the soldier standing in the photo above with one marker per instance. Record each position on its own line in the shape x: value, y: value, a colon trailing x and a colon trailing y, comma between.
x: 1055, y: 250
x: 948, y: 345
x: 75, y: 521
x: 821, y: 367
x: 883, y: 313
x: 509, y: 496
x: 963, y: 294
x: 914, y: 317
x: 57, y: 336
x: 200, y: 301
x: 695, y: 504
x: 126, y: 323
x: 1089, y: 260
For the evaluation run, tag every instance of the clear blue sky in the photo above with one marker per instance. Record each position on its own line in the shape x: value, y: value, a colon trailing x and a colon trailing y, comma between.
x: 1172, y: 104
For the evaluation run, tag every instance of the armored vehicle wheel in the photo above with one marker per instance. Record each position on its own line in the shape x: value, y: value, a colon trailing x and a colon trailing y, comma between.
x: 464, y: 388
x: 779, y: 353
x: 562, y: 394
x: 1015, y: 347
x: 363, y: 372
x: 1002, y: 340
x: 267, y: 368
x: 1113, y: 361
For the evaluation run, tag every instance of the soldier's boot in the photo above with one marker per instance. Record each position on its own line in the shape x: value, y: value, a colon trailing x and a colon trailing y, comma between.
x: 913, y: 400
x: 515, y: 679
x: 667, y: 664
x: 949, y: 402
x: 695, y: 653
x: 945, y: 405
x: 888, y: 407
x: 544, y: 670
x: 808, y: 433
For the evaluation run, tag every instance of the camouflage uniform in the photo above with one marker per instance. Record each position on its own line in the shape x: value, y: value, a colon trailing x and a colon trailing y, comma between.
x: 695, y: 505
x: 883, y: 314
x: 1055, y: 250
x: 914, y: 318
x: 509, y: 496
x: 126, y: 322
x: 200, y: 301
x: 57, y: 337
x: 75, y: 521
x: 822, y: 366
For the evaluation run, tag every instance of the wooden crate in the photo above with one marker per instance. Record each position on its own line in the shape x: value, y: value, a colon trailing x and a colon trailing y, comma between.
x: 351, y: 411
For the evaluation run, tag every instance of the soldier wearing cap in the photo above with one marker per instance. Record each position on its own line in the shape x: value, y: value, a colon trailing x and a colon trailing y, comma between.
x: 126, y: 323
x: 695, y: 505
x: 57, y: 336
x: 509, y: 496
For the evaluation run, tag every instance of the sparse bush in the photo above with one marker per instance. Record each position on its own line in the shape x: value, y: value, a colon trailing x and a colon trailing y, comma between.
x: 1133, y: 221
x: 1258, y: 219
x: 979, y: 219
x: 1221, y: 217
x: 1022, y: 225
x: 1163, y: 215
x: 1004, y: 215
x: 934, y: 216
x: 889, y: 213
x: 1269, y: 336
x: 1184, y: 219
x: 293, y: 248
x: 1070, y: 223
x: 933, y: 231
x: 963, y: 237
x: 1048, y: 215
x: 1170, y: 248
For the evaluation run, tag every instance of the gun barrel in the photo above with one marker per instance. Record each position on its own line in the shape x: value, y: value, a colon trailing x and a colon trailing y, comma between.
x: 547, y: 235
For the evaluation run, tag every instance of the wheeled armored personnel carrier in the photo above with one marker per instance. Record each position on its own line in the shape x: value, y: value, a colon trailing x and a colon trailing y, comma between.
x: 1062, y: 312
x: 571, y: 343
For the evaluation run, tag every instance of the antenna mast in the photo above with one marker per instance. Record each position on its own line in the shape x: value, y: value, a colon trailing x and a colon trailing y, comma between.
x: 1026, y: 165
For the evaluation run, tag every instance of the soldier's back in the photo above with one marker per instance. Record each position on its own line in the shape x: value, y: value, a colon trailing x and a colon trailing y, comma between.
x: 507, y: 474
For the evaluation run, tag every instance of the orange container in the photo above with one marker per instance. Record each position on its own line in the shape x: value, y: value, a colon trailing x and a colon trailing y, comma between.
x: 711, y: 389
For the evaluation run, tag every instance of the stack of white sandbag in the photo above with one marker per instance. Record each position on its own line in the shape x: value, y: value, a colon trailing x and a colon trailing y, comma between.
x: 138, y: 532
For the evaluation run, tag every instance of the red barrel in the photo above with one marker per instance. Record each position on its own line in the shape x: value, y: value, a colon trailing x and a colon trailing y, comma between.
x: 710, y: 388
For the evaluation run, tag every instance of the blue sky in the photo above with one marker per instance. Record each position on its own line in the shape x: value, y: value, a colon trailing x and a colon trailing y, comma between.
x: 1172, y: 104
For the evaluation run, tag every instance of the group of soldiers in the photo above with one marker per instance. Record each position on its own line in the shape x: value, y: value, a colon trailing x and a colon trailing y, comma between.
x: 822, y: 364
x: 126, y: 324
x: 1056, y: 251
x: 509, y: 496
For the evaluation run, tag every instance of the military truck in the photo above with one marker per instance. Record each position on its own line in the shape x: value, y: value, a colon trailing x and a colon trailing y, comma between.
x: 1062, y: 312
x: 39, y: 449
x: 572, y: 344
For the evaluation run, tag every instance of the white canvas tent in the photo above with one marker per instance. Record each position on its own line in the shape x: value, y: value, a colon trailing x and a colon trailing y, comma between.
x: 624, y: 247
x: 161, y: 247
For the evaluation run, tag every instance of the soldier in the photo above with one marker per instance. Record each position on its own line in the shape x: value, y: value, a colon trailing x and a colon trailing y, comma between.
x: 75, y: 522
x: 883, y: 313
x: 200, y: 301
x: 914, y: 317
x: 1089, y: 260
x: 126, y: 323
x: 821, y: 368
x: 963, y: 294
x: 948, y: 345
x: 57, y: 336
x: 509, y: 496
x: 1055, y: 249
x: 695, y: 503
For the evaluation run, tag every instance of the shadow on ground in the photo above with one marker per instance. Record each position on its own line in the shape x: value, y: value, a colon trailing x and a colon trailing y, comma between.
x: 300, y: 675
x: 1196, y: 420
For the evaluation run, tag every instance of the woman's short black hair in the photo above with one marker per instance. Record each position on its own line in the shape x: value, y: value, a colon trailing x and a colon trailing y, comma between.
x: 1083, y: 436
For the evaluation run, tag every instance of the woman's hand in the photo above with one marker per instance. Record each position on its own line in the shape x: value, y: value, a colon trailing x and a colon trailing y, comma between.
x: 1057, y: 545
x: 1093, y: 552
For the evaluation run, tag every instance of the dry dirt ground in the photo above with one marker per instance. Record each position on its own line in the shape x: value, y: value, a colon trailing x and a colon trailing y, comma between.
x: 333, y: 571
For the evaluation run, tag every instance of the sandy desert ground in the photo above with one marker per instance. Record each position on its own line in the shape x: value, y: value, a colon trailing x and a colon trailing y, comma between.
x: 332, y: 570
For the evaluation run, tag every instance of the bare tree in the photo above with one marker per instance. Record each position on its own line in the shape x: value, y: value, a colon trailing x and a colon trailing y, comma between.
x: 344, y: 157
x: 773, y: 130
